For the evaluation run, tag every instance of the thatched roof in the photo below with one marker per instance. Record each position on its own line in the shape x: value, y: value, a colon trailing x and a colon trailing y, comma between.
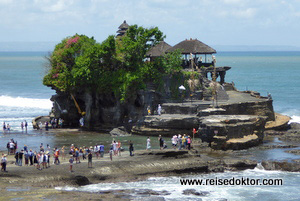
x: 124, y: 25
x: 193, y: 46
x: 159, y: 49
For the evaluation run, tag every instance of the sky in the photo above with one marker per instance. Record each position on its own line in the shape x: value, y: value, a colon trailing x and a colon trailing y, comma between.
x: 40, y: 24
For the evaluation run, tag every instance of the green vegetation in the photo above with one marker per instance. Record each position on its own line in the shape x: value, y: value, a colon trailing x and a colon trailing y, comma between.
x: 116, y: 65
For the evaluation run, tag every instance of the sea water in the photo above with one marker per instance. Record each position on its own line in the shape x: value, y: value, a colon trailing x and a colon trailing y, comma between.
x: 288, y: 191
x: 22, y: 94
x: 23, y: 97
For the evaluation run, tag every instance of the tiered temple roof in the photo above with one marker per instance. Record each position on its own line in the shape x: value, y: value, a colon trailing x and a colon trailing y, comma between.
x: 122, y: 28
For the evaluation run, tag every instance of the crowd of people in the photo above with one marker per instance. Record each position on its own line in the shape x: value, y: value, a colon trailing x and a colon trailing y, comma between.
x: 53, y: 123
x: 40, y: 159
x: 181, y: 141
x: 7, y: 127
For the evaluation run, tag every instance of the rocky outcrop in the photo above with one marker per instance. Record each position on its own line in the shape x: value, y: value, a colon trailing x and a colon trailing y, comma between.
x: 282, y: 165
x: 120, y: 131
x: 232, y: 131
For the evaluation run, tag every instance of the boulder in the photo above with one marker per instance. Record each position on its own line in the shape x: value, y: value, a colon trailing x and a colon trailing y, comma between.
x: 194, y: 192
x: 120, y: 131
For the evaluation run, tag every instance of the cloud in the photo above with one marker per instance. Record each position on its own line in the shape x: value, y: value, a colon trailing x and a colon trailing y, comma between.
x: 204, y: 19
x: 5, y: 2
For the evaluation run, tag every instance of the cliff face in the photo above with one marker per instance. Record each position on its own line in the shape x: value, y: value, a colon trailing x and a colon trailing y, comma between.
x: 105, y: 111
x: 102, y: 110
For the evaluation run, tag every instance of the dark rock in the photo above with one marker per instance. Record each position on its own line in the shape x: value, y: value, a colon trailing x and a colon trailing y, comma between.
x: 174, y: 121
x: 233, y: 131
x: 81, y: 180
x: 152, y: 198
x: 194, y: 192
x: 151, y: 192
x: 240, y: 164
x: 273, y: 132
x: 281, y: 165
x: 295, y: 126
x: 294, y: 151
x: 120, y: 131
x: 277, y: 146
x: 291, y: 136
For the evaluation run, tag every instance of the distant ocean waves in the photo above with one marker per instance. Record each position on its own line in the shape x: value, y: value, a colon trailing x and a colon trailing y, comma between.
x: 14, y: 110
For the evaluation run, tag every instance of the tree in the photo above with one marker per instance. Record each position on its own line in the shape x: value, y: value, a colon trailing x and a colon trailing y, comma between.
x: 116, y: 65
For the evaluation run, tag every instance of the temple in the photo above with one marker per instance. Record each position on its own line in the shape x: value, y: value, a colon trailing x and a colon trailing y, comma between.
x: 122, y: 29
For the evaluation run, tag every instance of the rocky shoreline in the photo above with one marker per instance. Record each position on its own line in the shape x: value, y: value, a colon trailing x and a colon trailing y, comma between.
x: 28, y: 182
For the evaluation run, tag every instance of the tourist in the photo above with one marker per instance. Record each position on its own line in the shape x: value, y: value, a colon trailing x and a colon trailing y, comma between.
x: 60, y: 122
x: 22, y: 126
x: 26, y: 157
x: 30, y: 153
x: 111, y: 152
x: 8, y: 149
x: 179, y: 142
x: 48, y: 158
x: 25, y: 124
x: 44, y: 160
x: 71, y: 160
x: 101, y: 151
x: 97, y: 151
x: 77, y: 155
x: 8, y: 128
x: 56, y: 156
x: 184, y: 141
x: 159, y: 109
x: 149, y: 110
x: 90, y: 157
x: 114, y: 145
x: 174, y: 141
x: 161, y: 142
x: 35, y: 159
x: 25, y: 148
x: 62, y: 152
x: 119, y: 148
x: 131, y: 149
x: 48, y: 148
x: 46, y: 125
x: 52, y: 121
x: 81, y: 122
x: 16, y: 145
x: 189, y: 141
x: 81, y: 153
x: 4, y: 127
x: 20, y: 155
x: 85, y: 152
x: 3, y: 163
x: 194, y: 132
x: 148, y: 143
x: 17, y: 158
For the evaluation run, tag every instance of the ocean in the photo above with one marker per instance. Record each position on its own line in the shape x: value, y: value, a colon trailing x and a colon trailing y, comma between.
x: 23, y: 97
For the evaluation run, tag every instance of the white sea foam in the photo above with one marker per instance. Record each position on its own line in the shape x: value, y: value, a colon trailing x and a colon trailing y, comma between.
x: 295, y: 119
x: 9, y: 101
x: 215, y: 192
